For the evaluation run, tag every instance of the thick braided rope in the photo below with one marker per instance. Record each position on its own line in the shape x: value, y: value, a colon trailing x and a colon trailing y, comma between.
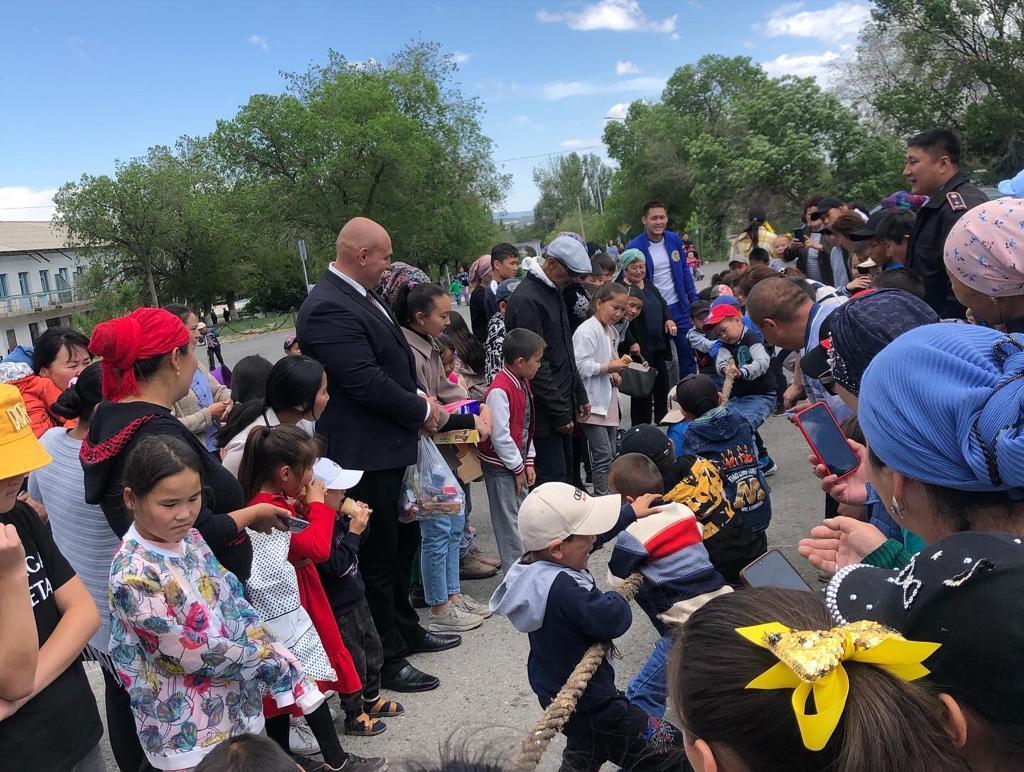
x: 564, y: 703
x: 727, y: 384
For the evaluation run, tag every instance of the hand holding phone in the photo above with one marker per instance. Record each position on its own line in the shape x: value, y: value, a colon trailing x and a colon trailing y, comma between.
x: 773, y: 570
x: 827, y: 441
x: 852, y: 489
x: 296, y: 524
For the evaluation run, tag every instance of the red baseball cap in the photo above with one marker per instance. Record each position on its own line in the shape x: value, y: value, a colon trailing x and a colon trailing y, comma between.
x: 722, y: 311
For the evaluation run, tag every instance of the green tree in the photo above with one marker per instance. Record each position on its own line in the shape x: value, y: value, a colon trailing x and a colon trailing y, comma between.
x: 957, y: 63
x: 161, y: 218
x: 399, y: 143
x: 725, y: 137
x: 569, y: 184
x: 125, y: 222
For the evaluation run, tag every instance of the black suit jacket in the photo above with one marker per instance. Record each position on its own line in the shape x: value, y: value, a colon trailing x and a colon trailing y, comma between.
x: 374, y: 415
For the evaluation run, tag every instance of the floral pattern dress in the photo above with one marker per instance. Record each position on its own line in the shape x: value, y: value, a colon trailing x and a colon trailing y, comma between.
x: 192, y: 653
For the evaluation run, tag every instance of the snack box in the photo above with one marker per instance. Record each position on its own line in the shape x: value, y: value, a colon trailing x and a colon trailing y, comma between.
x: 457, y: 437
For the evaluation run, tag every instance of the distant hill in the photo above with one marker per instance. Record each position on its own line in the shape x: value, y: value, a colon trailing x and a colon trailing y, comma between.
x: 514, y: 218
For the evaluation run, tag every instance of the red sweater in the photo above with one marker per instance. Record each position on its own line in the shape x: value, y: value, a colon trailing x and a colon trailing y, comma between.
x: 312, y: 546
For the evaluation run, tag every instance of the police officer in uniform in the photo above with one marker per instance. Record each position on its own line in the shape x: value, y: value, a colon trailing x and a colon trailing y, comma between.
x: 933, y: 169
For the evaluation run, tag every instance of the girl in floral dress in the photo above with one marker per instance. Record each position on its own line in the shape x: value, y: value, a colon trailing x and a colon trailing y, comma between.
x: 190, y: 650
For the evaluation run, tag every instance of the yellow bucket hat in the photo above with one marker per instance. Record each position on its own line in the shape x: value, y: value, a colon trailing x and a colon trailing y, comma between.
x: 20, y: 451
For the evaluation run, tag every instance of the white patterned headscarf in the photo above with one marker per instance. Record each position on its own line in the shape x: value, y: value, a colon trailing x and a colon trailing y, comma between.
x: 985, y: 249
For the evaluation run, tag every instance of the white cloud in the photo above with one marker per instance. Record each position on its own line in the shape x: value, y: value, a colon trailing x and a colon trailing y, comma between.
x: 840, y: 22
x: 527, y: 121
x: 495, y: 88
x: 645, y: 84
x: 805, y: 66
x: 260, y: 42
x: 22, y: 203
x: 626, y: 68
x: 576, y: 144
x: 461, y: 58
x: 79, y: 48
x: 615, y: 15
x: 618, y: 111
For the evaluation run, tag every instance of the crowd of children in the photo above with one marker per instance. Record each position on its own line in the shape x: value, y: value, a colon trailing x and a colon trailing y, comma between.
x: 230, y: 596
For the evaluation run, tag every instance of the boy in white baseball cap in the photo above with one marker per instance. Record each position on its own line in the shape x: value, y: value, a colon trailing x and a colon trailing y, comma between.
x: 550, y: 594
x: 346, y: 592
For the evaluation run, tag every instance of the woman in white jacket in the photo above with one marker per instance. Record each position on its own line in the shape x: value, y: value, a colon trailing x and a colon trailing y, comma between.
x: 595, y: 344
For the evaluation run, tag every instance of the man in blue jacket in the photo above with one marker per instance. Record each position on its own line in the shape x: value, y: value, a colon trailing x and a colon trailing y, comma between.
x: 666, y: 267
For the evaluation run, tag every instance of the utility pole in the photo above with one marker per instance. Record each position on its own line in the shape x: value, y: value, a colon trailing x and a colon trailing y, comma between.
x: 579, y: 208
x: 302, y: 258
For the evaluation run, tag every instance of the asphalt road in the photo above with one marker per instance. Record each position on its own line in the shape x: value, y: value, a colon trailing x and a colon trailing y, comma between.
x: 485, y: 699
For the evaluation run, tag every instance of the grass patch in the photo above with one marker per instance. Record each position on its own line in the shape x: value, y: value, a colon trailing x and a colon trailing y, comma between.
x: 256, y: 325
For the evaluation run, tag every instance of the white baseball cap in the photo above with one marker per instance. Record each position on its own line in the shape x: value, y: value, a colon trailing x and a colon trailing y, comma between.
x: 555, y: 510
x: 333, y: 476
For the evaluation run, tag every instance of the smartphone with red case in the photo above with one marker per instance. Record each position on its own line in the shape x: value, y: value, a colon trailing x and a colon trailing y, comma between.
x: 827, y: 441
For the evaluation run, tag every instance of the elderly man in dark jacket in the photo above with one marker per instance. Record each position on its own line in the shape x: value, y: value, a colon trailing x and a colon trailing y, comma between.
x: 559, y: 396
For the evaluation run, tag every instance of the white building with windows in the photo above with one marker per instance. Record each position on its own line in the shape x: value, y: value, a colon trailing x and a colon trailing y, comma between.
x: 40, y: 282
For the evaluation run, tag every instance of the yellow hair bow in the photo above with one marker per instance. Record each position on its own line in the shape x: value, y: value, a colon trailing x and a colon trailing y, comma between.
x: 811, y: 662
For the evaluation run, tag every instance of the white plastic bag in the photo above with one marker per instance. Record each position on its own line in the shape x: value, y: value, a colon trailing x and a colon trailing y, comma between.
x: 429, y: 488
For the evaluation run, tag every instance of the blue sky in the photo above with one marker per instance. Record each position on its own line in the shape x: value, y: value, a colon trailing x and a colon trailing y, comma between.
x: 86, y: 83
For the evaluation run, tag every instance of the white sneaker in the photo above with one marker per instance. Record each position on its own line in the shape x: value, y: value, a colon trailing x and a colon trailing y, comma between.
x: 467, y: 603
x: 301, y: 740
x: 453, y: 620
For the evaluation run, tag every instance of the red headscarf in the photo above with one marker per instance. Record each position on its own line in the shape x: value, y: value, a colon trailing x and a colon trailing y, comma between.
x: 121, y: 342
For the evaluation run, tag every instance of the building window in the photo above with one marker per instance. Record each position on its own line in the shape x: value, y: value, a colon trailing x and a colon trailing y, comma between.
x: 23, y: 282
x: 12, y: 341
x: 3, y: 286
x: 44, y: 281
x: 33, y: 331
x: 64, y: 275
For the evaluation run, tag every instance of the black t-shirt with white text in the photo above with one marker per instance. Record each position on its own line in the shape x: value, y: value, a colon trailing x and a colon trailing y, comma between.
x: 56, y: 728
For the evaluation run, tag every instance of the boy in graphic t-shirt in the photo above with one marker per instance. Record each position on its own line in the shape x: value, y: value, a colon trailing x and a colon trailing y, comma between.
x: 57, y: 725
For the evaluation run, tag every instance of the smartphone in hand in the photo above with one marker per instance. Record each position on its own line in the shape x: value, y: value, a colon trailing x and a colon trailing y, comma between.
x: 827, y: 441
x: 296, y: 524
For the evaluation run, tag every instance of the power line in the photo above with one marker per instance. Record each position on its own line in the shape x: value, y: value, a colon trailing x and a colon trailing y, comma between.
x: 38, y: 206
x: 545, y: 155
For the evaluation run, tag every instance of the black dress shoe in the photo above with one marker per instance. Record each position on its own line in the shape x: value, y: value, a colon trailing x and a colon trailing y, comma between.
x: 416, y: 597
x: 409, y: 679
x: 436, y: 642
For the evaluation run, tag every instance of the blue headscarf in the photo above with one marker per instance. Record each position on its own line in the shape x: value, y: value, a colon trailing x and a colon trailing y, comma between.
x: 942, y: 404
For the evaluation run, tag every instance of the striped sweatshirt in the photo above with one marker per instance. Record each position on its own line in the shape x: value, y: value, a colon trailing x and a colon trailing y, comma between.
x: 667, y: 548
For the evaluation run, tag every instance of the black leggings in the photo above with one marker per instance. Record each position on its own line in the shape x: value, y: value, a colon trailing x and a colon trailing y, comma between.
x: 121, y: 729
x: 321, y: 725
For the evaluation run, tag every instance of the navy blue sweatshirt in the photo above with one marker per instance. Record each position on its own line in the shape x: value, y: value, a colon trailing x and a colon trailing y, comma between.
x: 726, y: 439
x: 343, y: 583
x: 564, y: 614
